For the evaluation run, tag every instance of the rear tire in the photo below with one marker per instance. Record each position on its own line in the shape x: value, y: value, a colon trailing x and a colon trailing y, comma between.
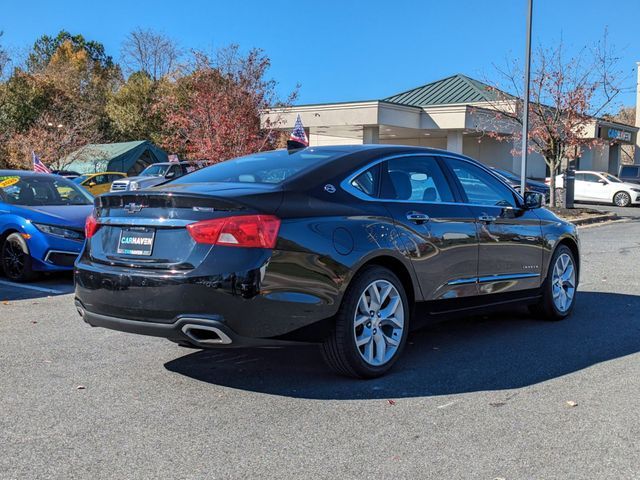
x: 16, y: 260
x: 559, y: 288
x: 622, y: 199
x: 371, y: 325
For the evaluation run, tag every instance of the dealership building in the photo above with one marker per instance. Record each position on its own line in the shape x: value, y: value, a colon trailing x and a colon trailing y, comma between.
x: 455, y: 113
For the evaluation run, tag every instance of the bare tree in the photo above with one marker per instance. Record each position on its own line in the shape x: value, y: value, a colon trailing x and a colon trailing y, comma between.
x: 151, y: 52
x: 567, y: 97
x: 4, y: 58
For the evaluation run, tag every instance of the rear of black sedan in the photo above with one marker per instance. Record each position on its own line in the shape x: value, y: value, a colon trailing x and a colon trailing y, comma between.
x: 205, y: 261
x: 277, y: 247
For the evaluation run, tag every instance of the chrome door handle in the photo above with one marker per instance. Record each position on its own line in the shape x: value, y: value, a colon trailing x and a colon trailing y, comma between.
x: 417, y: 217
x: 487, y: 218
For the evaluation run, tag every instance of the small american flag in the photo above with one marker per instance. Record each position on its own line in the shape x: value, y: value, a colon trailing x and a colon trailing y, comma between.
x: 38, y: 166
x: 298, y: 134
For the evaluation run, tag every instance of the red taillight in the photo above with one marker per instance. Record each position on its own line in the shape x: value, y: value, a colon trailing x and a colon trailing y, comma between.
x: 91, y: 226
x: 259, y: 231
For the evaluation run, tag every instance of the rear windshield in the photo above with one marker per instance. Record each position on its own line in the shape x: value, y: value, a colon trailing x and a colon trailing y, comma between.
x: 265, y: 167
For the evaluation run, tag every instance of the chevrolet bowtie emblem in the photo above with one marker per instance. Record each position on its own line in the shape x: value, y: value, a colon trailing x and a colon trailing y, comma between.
x: 133, y: 207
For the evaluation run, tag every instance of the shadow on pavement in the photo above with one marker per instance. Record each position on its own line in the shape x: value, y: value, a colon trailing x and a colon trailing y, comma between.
x: 47, y: 285
x: 503, y: 351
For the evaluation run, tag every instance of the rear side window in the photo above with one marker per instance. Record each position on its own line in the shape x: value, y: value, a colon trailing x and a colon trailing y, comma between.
x: 629, y: 171
x: 265, y: 167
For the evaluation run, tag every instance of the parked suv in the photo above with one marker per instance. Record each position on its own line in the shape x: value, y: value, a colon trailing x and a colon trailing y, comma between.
x: 630, y: 173
x: 154, y: 174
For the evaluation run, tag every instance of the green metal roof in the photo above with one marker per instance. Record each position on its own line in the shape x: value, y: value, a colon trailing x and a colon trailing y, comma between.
x: 455, y: 89
x: 128, y: 157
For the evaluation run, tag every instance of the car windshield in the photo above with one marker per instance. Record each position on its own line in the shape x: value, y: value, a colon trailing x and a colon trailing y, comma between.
x: 41, y: 190
x: 611, y: 178
x: 154, y: 171
x: 266, y: 167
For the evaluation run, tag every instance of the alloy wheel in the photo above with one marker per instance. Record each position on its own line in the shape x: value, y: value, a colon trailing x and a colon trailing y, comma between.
x: 622, y: 199
x: 563, y: 282
x: 13, y: 258
x: 378, y: 322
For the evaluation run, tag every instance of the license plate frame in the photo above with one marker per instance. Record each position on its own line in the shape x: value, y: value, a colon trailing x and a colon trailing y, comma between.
x: 131, y: 246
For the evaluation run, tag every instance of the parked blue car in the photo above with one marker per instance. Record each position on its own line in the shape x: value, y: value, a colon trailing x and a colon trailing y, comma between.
x: 42, y: 221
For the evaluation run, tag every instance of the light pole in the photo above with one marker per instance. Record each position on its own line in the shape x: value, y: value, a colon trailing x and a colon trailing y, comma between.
x: 525, y: 109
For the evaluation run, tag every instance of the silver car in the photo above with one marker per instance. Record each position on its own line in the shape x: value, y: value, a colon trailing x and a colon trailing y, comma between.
x: 154, y: 174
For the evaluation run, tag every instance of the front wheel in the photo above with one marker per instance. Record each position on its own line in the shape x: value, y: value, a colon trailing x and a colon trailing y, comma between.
x: 16, y: 261
x: 371, y: 325
x: 559, y: 288
x: 622, y: 199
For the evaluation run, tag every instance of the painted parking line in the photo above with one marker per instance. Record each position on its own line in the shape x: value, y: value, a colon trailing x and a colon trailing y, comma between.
x: 32, y: 287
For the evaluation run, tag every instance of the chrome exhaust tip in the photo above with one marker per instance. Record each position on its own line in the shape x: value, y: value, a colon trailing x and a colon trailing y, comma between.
x: 205, y: 335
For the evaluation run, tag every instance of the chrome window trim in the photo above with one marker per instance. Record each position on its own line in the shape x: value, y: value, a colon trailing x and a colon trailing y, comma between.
x: 492, y: 278
x: 145, y: 222
x: 347, y: 187
x: 508, y: 276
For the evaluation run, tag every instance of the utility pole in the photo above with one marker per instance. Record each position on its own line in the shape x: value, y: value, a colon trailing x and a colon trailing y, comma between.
x: 525, y: 109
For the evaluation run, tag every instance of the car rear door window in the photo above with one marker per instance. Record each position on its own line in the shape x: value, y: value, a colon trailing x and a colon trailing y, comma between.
x: 414, y: 179
x: 480, y: 187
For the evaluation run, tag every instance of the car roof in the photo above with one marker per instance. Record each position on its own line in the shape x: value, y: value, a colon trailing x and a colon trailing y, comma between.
x: 182, y: 162
x: 345, y: 158
x: 27, y: 173
x: 593, y: 171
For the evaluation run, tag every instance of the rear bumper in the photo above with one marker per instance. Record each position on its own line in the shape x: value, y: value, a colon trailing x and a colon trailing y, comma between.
x: 196, y: 331
x: 263, y: 297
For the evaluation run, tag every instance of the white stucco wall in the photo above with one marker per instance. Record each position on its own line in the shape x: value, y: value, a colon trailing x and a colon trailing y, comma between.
x: 489, y: 151
x: 316, y: 140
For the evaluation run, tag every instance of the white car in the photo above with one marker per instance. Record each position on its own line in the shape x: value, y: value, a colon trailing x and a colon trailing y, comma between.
x: 602, y: 187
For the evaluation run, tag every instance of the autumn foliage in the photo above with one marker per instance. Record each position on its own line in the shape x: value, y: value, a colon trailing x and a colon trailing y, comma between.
x: 213, y: 113
x: 70, y: 93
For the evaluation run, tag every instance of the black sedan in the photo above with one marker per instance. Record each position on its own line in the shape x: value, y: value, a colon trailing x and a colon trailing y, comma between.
x: 347, y: 246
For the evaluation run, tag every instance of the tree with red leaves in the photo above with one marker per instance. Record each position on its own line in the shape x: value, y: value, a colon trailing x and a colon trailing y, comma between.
x: 213, y: 112
x: 567, y: 96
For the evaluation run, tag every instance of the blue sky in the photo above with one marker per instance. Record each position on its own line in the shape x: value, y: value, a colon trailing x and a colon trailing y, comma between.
x: 345, y: 50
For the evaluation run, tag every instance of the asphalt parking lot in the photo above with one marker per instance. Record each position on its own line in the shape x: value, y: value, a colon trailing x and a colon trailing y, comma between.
x: 499, y: 397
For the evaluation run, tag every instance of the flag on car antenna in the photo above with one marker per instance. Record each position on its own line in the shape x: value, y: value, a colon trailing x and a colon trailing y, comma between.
x: 298, y: 138
x: 38, y: 166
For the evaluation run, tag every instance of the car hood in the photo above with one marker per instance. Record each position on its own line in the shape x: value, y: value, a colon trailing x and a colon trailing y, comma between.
x: 136, y: 179
x: 535, y: 183
x: 62, y: 215
x: 146, y: 180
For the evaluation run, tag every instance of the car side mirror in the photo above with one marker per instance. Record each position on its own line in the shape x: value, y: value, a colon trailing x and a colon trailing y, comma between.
x: 602, y: 181
x: 92, y: 184
x: 533, y: 200
x: 170, y: 175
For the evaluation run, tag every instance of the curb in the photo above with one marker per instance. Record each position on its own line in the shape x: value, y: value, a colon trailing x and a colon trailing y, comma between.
x: 594, y: 219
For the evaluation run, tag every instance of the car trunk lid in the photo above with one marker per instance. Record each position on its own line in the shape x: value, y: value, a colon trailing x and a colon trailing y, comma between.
x: 147, y: 229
